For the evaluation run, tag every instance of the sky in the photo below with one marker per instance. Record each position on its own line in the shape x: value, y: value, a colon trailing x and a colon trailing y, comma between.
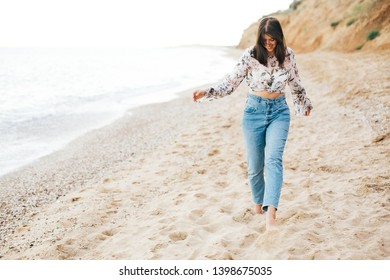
x: 123, y: 23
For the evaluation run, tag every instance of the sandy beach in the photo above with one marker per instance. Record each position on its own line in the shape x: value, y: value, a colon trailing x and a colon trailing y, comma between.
x: 169, y: 181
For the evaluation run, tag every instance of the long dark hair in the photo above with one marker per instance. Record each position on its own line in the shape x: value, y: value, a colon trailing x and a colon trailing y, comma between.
x: 270, y: 26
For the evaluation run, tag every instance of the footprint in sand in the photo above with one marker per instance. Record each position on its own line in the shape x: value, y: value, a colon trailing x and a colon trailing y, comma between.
x: 157, y: 212
x: 68, y: 223
x: 196, y: 214
x: 220, y: 256
x: 178, y: 201
x: 244, y: 166
x: 109, y: 232
x: 66, y: 250
x: 184, y: 146
x: 298, y: 216
x: 101, y: 237
x: 248, y: 240
x: 116, y: 202
x: 165, y: 229
x: 244, y: 217
x: 74, y: 199
x: 221, y: 185
x: 106, y: 180
x: 158, y: 247
x: 185, y: 175
x: 269, y: 239
x: 213, y: 153
x: 315, y: 198
x: 329, y: 169
x: 200, y: 195
x: 314, y: 237
x: 225, y: 210
x: 111, y: 211
x: 178, y: 236
x: 106, y: 234
x: 318, y: 225
x: 210, y: 228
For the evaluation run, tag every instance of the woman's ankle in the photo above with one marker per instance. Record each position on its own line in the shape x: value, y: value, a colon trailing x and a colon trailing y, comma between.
x: 259, y: 209
x: 270, y: 217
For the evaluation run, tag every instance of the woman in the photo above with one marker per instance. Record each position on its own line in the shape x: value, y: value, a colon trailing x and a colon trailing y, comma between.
x: 267, y: 67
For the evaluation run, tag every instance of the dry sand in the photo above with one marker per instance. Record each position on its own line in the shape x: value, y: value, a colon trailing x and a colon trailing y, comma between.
x: 170, y: 181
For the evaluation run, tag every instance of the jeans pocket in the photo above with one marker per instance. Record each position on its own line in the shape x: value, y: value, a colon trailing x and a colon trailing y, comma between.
x: 283, y: 106
x: 250, y: 107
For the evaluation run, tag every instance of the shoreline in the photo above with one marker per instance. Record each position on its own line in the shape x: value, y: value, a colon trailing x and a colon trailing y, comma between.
x: 47, y: 129
x: 118, y: 193
x: 80, y: 137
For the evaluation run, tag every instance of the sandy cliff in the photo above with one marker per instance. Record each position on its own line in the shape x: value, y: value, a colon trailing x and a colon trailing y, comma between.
x: 337, y: 25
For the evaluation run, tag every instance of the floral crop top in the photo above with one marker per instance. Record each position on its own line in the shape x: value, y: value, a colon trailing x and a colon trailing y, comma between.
x: 260, y: 78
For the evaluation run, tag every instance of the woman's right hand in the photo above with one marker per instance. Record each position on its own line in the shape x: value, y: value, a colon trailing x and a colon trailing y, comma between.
x: 198, y: 94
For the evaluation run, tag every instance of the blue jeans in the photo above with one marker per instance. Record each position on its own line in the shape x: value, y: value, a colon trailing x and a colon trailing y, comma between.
x: 265, y: 125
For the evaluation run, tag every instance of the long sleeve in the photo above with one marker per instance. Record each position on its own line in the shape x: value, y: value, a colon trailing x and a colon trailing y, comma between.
x: 232, y: 80
x: 301, y: 102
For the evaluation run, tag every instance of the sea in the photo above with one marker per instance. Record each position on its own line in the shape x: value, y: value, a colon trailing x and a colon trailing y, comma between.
x: 51, y: 96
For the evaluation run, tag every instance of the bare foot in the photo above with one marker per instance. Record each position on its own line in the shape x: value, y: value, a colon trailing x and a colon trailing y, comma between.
x: 270, y: 218
x: 259, y: 209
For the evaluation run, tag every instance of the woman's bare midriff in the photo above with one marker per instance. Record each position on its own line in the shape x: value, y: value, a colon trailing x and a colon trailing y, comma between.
x: 267, y: 94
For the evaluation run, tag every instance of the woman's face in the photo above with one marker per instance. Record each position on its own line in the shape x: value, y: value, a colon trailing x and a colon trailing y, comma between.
x: 269, y: 44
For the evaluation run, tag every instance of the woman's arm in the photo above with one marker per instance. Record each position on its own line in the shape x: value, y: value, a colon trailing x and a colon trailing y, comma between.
x: 301, y: 102
x: 229, y: 83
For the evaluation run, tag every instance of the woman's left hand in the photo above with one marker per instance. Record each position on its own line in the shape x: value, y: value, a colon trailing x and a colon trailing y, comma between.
x: 198, y: 94
x: 307, y: 113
